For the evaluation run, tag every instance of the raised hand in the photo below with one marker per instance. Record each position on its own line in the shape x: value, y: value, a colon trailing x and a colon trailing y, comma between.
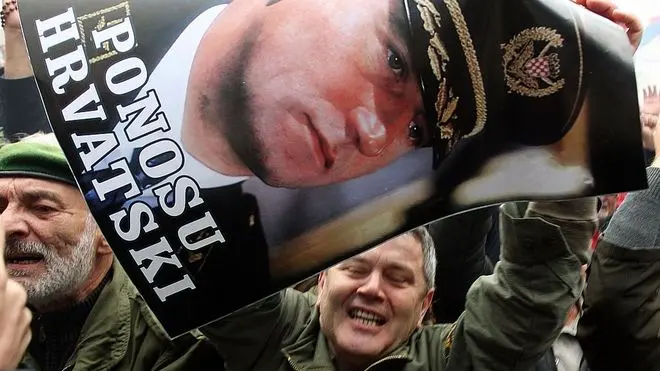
x: 651, y: 105
x: 15, y: 318
x: 17, y: 63
x: 650, y: 116
x: 611, y: 11
x: 10, y: 18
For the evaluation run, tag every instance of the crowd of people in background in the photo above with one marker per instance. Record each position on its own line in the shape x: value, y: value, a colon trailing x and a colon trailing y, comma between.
x: 555, y: 286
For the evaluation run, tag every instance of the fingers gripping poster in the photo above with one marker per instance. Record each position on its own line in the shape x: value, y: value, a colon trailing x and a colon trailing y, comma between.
x: 230, y: 149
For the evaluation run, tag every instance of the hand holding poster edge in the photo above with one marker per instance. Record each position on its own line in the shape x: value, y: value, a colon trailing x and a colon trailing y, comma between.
x: 609, y: 10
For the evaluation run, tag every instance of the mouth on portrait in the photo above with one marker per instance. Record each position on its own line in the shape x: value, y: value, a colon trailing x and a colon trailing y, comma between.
x: 323, y: 152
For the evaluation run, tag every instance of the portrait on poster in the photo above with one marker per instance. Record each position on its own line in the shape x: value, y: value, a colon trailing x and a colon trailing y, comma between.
x: 228, y: 149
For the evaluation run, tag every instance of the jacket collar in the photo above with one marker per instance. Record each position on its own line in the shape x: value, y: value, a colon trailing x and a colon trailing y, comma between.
x: 104, y: 338
x: 312, y: 351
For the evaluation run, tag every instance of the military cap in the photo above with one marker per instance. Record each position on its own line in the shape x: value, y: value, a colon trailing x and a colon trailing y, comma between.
x: 37, y: 156
x: 518, y: 66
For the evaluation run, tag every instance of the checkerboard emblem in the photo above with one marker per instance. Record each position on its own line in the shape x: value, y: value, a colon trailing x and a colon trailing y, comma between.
x: 538, y: 67
x: 531, y: 62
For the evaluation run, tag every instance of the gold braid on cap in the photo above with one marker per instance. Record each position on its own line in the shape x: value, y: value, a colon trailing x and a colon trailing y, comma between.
x: 447, y: 102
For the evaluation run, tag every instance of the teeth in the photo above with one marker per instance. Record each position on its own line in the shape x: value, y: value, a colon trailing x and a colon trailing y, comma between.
x: 367, y: 318
x: 368, y: 323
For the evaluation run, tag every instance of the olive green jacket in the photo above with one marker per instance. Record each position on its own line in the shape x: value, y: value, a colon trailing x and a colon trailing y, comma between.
x: 121, y: 334
x: 511, y: 317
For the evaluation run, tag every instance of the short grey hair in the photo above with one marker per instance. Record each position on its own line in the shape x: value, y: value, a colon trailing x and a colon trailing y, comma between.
x: 429, y: 257
x: 430, y: 262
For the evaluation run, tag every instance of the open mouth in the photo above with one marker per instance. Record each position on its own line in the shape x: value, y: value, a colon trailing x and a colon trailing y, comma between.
x: 24, y: 259
x: 366, y: 318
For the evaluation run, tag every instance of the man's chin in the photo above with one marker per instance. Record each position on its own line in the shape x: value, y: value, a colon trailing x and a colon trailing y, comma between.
x: 285, y: 182
x: 361, y: 347
x: 298, y: 181
x: 30, y: 284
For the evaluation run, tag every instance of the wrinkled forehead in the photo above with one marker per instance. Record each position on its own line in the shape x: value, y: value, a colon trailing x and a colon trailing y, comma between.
x: 36, y: 188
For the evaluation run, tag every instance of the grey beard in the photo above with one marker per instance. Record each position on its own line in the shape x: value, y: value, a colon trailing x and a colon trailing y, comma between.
x: 64, y: 274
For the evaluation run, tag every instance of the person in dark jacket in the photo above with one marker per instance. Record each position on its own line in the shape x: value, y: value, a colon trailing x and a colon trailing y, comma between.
x: 460, y: 247
x: 21, y: 111
x: 511, y: 317
x: 461, y: 243
x: 620, y: 329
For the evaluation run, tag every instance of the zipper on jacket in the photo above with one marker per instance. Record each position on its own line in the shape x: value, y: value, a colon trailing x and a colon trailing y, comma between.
x: 380, y: 361
x: 296, y: 368
x: 293, y: 365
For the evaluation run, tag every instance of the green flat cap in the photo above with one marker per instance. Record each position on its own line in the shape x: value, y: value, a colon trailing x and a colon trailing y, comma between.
x: 33, y: 159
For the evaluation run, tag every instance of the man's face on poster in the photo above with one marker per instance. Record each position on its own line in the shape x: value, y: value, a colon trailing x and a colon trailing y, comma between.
x: 321, y: 91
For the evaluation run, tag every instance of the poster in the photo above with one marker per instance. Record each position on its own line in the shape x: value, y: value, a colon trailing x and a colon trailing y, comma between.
x: 230, y: 149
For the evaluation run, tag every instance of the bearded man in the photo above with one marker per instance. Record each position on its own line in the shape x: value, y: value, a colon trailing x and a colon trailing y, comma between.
x: 87, y: 314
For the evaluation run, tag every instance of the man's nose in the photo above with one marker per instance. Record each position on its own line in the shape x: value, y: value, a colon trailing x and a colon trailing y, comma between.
x: 371, y: 132
x: 372, y: 287
x: 14, y: 224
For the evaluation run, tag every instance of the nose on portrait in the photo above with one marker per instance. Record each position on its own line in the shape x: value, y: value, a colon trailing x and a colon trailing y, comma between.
x: 370, y: 132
